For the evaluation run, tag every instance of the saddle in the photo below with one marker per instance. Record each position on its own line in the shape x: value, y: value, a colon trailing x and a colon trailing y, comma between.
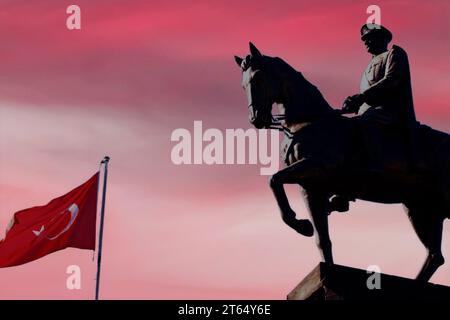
x: 391, y: 146
x: 396, y: 147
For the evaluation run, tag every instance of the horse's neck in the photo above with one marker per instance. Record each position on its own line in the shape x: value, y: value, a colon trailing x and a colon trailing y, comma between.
x: 299, y: 100
x: 302, y: 104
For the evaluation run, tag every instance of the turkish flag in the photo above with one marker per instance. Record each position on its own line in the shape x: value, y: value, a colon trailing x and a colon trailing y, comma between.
x: 67, y: 221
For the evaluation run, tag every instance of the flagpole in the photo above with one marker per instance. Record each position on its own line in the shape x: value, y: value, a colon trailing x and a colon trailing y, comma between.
x: 102, y: 217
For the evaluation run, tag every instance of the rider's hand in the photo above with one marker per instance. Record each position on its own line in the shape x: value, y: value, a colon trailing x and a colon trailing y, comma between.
x: 352, y: 104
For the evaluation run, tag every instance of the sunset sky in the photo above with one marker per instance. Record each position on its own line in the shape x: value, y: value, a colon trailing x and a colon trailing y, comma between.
x: 136, y: 71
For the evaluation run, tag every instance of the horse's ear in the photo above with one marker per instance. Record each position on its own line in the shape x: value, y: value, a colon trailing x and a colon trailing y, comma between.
x: 254, y: 51
x: 238, y: 60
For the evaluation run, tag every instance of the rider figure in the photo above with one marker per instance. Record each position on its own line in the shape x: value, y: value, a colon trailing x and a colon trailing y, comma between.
x: 385, y: 99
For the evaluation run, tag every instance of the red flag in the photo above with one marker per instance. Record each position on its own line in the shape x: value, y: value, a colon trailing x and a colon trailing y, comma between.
x: 67, y: 221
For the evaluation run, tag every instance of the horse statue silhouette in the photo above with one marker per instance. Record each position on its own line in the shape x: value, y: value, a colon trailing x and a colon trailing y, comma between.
x: 325, y: 156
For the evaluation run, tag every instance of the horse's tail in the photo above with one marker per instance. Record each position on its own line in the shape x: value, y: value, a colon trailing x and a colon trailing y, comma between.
x: 436, y: 146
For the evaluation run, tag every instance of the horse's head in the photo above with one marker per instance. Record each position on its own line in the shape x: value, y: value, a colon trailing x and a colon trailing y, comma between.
x: 258, y: 88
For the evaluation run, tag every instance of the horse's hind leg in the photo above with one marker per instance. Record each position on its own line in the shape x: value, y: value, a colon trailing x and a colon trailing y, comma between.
x: 428, y: 227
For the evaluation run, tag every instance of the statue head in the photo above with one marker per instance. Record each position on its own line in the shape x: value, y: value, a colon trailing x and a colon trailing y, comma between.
x: 255, y: 82
x: 375, y: 38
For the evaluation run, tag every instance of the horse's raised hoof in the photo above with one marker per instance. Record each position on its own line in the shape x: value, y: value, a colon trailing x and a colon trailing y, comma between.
x: 304, y: 227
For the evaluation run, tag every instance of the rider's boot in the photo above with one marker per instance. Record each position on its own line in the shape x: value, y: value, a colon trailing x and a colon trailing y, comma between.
x: 338, y: 203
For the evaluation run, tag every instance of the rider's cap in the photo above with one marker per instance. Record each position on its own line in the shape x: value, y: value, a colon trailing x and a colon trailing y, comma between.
x: 370, y: 28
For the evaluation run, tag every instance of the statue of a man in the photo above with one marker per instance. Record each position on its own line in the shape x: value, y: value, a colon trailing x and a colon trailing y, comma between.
x: 385, y: 101
x: 385, y: 98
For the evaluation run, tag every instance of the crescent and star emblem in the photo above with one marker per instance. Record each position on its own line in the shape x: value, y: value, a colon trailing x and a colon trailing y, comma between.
x: 73, y: 210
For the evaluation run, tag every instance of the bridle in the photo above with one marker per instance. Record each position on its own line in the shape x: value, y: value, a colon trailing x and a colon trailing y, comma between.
x: 276, y: 120
x: 276, y: 125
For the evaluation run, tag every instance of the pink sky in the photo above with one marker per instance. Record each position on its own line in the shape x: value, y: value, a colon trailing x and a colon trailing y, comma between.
x: 140, y: 69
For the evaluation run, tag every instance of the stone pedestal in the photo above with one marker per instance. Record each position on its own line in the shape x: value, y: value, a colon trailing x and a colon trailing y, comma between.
x: 344, y: 283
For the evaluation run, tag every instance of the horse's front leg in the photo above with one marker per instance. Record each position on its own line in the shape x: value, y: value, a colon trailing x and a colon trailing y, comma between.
x: 293, y: 174
x: 304, y: 172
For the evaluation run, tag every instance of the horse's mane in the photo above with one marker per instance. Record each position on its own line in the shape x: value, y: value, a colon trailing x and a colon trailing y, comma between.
x: 308, y: 101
